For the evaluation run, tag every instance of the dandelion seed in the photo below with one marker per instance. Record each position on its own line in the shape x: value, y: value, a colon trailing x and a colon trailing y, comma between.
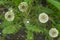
x: 43, y: 18
x: 9, y: 16
x: 53, y: 32
x: 23, y: 6
x: 27, y: 21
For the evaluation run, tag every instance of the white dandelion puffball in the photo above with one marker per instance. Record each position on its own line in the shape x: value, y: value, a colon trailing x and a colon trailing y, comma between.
x: 53, y: 32
x: 43, y: 17
x: 23, y: 6
x: 9, y: 16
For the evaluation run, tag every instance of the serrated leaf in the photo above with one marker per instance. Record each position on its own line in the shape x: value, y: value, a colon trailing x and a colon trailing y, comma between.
x: 29, y: 35
x: 9, y: 30
x: 33, y: 28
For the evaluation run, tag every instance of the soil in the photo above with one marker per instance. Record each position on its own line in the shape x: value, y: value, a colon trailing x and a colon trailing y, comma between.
x: 3, y: 9
x: 49, y: 25
x: 0, y: 32
x: 21, y: 35
x: 1, y: 21
x: 43, y: 2
x: 39, y: 36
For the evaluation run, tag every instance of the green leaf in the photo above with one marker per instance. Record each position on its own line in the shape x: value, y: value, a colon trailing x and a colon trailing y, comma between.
x: 33, y: 28
x: 12, y: 29
x: 29, y: 35
x: 16, y: 2
x: 59, y: 38
x: 9, y: 30
x: 55, y: 3
x: 28, y: 1
x: 58, y: 27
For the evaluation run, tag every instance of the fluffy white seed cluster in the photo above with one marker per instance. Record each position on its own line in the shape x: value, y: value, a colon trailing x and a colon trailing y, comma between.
x: 53, y: 32
x: 23, y: 6
x: 43, y: 17
x: 9, y: 16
